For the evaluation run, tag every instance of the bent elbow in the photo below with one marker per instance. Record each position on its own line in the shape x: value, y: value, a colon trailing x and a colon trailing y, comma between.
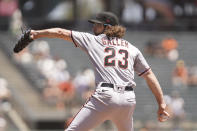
x: 59, y: 31
x: 63, y: 32
x: 148, y: 73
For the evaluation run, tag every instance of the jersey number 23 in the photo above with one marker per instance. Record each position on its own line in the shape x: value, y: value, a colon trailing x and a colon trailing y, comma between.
x: 110, y: 59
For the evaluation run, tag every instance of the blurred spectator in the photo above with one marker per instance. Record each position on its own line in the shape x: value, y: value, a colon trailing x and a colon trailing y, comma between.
x: 84, y: 82
x: 16, y: 22
x: 162, y: 8
x: 61, y: 73
x: 185, y: 7
x: 180, y: 74
x: 68, y: 89
x: 24, y: 57
x: 5, y: 95
x: 170, y: 46
x: 165, y: 48
x: 4, y: 102
x: 153, y: 48
x: 4, y: 92
x: 54, y: 70
x: 178, y: 112
x: 57, y: 84
x: 62, y: 11
x: 43, y: 59
x: 192, y: 76
x: 59, y: 93
x: 8, y: 7
x: 3, y: 124
x: 89, y: 8
x: 136, y: 9
x: 59, y: 88
x: 40, y: 50
x: 53, y: 95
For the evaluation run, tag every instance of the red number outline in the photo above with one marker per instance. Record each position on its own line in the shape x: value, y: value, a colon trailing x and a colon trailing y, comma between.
x: 112, y: 55
x: 113, y: 61
x: 125, y: 58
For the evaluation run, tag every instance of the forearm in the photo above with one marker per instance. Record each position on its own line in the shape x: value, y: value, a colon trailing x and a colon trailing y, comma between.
x: 52, y: 33
x: 154, y: 86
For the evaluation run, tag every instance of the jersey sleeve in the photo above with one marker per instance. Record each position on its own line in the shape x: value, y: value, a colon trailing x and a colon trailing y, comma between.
x: 140, y: 65
x: 82, y: 39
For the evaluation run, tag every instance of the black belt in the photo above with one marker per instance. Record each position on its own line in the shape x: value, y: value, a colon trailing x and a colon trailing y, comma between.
x: 127, y: 88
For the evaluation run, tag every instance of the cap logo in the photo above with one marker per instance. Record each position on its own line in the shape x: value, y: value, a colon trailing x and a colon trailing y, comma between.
x: 107, y: 20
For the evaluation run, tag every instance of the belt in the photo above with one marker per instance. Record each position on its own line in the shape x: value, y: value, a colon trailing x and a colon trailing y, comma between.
x: 127, y: 88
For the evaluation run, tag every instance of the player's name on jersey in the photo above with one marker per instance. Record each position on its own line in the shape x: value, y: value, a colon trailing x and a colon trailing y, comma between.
x: 115, y: 42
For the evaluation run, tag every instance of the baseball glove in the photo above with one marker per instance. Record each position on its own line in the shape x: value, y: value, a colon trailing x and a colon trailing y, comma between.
x: 23, y: 41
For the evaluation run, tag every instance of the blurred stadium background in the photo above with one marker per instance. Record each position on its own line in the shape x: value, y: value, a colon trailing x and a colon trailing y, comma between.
x: 44, y: 86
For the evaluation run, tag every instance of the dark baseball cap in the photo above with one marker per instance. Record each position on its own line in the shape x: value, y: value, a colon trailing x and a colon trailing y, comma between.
x: 107, y: 18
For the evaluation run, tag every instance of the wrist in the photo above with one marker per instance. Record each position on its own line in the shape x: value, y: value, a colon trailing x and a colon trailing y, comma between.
x: 162, y: 106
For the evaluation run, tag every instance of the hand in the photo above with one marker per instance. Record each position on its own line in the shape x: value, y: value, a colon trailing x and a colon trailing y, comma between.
x: 163, y: 115
x: 32, y: 34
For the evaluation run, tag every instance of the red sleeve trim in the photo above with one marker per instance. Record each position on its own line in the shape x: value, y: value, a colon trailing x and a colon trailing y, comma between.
x: 144, y: 72
x: 73, y: 39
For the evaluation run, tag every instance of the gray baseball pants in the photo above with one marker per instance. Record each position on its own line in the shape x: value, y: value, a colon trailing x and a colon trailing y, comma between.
x: 106, y: 103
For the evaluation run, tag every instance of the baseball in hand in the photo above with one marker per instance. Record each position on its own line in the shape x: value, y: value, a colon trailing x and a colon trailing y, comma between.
x: 164, y: 117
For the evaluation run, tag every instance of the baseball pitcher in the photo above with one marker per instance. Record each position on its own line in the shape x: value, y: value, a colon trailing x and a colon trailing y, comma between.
x: 115, y: 60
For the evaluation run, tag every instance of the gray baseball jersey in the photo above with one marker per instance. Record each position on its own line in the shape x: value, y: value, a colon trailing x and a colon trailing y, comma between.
x: 114, y: 59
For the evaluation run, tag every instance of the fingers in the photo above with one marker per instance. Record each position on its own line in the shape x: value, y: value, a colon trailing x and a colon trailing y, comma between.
x: 32, y: 34
x: 166, y: 113
x: 164, y: 116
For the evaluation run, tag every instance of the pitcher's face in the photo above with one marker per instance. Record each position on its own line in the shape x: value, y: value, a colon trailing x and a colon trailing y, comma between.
x: 98, y: 28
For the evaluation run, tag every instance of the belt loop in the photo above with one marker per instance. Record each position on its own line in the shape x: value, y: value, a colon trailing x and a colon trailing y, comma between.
x: 120, y: 89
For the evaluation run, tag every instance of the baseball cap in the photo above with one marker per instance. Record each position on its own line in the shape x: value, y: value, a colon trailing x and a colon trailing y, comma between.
x: 107, y: 18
